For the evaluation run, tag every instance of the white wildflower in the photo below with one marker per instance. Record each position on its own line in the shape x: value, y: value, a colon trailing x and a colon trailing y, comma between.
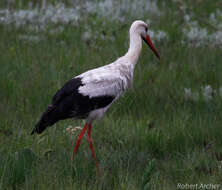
x: 216, y: 38
x: 148, y: 22
x: 60, y: 14
x: 57, y: 30
x: 31, y: 38
x: 196, y: 34
x: 70, y: 130
x: 200, y: 36
x: 47, y: 14
x: 158, y: 35
x: 116, y: 10
x: 86, y: 35
x: 207, y: 92
x: 187, y: 18
x: 189, y: 95
x: 212, y: 18
x: 161, y: 35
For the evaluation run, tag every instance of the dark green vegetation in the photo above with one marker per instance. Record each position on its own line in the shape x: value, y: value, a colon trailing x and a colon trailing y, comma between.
x: 152, y: 121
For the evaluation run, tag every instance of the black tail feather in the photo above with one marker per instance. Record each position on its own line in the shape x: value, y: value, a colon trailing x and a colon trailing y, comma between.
x: 40, y: 127
x: 33, y: 131
x: 45, y: 121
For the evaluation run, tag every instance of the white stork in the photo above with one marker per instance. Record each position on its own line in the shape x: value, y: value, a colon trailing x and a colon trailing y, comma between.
x: 90, y: 94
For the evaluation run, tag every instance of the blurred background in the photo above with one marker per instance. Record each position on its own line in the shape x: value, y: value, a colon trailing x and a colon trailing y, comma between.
x: 164, y: 132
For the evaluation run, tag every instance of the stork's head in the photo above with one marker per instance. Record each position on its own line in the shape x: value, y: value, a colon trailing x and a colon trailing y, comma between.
x: 141, y: 28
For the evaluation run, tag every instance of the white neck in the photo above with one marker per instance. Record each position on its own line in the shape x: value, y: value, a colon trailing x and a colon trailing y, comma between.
x: 135, y: 48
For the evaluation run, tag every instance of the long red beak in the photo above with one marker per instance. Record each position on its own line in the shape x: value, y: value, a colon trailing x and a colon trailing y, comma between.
x: 150, y: 44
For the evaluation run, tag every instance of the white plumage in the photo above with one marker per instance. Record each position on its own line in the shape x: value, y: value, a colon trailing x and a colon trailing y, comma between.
x: 114, y: 79
x: 90, y: 94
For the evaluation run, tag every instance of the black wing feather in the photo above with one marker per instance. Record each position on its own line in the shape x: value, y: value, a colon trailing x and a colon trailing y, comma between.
x: 69, y: 103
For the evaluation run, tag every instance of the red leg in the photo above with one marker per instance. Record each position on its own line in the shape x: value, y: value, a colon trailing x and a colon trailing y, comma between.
x: 79, y: 140
x: 91, y: 145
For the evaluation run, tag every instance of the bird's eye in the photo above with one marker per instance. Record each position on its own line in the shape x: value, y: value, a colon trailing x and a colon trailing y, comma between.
x: 146, y: 29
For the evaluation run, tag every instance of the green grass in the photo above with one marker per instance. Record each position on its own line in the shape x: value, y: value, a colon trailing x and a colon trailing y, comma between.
x: 153, y: 121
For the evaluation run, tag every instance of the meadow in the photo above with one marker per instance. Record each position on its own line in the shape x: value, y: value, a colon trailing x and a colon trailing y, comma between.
x: 164, y: 132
